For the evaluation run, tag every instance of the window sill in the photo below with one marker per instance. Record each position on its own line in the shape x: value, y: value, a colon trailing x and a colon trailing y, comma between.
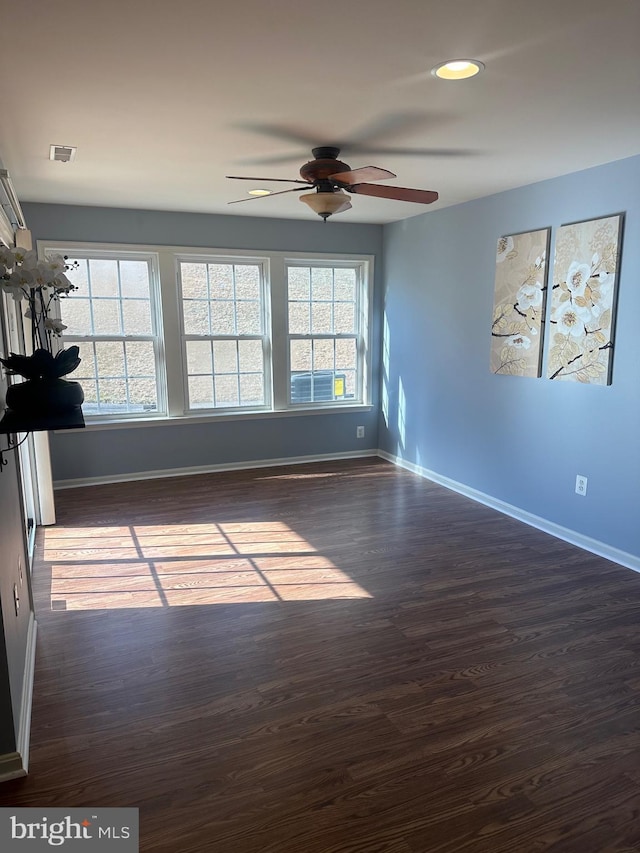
x: 211, y: 417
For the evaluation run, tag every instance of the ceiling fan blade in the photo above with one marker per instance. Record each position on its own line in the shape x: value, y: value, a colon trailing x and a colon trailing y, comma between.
x: 366, y: 173
x: 397, y: 193
x: 282, y: 192
x: 287, y: 134
x: 382, y: 127
x: 391, y: 125
x: 369, y: 151
x: 351, y: 149
x: 273, y: 160
x: 279, y: 180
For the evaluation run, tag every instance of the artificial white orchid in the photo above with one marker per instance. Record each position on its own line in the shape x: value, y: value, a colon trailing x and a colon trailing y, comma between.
x: 55, y: 326
x: 40, y: 283
x: 27, y: 258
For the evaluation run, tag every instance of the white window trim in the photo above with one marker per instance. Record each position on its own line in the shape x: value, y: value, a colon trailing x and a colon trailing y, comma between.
x: 363, y: 325
x: 157, y: 335
x: 263, y: 263
x: 168, y: 306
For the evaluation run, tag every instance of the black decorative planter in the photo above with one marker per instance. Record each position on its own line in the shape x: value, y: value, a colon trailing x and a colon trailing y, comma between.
x: 43, y: 404
x: 38, y: 396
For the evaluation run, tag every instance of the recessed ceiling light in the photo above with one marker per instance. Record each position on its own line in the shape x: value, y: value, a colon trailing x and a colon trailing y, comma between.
x: 259, y: 192
x: 458, y: 69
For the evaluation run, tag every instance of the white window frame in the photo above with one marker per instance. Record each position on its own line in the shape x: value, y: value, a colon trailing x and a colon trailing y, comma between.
x: 80, y: 251
x: 265, y: 337
x: 362, y: 324
x: 171, y: 360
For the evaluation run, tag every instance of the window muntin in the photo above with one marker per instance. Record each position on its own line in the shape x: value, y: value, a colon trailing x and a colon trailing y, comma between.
x: 225, y: 343
x: 241, y: 371
x: 112, y: 318
x: 325, y: 330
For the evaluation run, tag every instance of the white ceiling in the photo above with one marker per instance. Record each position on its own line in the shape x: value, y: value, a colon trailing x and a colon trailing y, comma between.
x: 165, y: 98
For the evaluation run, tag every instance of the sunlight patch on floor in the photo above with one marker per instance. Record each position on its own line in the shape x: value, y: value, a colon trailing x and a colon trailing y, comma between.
x: 105, y: 568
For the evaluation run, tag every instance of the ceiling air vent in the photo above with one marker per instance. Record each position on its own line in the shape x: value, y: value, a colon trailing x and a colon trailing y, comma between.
x: 62, y: 153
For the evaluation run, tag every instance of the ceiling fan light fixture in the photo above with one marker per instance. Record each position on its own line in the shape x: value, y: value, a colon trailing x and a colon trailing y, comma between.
x: 326, y: 204
x: 458, y: 69
x: 259, y: 192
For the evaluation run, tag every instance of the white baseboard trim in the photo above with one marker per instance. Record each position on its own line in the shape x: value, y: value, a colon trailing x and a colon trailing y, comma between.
x: 594, y: 546
x: 13, y: 765
x: 211, y: 469
x: 601, y: 549
x: 24, y: 726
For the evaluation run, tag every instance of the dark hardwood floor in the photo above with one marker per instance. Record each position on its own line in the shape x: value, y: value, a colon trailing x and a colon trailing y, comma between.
x: 332, y: 658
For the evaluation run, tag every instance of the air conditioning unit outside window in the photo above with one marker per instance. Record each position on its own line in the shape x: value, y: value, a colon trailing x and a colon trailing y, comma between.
x: 320, y: 386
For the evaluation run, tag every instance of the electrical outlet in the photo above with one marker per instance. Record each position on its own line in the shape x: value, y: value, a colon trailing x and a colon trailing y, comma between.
x: 360, y: 432
x: 16, y: 598
x: 581, y: 485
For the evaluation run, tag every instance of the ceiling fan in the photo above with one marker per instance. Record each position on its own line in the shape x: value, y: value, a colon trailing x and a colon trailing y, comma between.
x: 330, y: 177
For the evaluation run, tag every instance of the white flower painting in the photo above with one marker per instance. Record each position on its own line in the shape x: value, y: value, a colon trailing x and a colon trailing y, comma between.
x: 519, y: 303
x: 585, y: 274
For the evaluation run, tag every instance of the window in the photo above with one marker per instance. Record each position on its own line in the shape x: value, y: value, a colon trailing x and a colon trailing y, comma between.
x: 324, y: 333
x: 167, y: 331
x: 112, y: 318
x: 224, y: 341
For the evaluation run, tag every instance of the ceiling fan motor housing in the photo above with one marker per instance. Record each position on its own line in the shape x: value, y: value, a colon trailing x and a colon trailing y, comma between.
x: 325, y: 164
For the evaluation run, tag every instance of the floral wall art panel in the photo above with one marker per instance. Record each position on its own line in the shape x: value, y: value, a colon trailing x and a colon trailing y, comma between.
x: 519, y: 303
x: 585, y: 276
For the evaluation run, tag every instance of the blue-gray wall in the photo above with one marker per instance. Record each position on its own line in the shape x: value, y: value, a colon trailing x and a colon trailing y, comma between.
x: 115, y: 452
x: 519, y: 440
